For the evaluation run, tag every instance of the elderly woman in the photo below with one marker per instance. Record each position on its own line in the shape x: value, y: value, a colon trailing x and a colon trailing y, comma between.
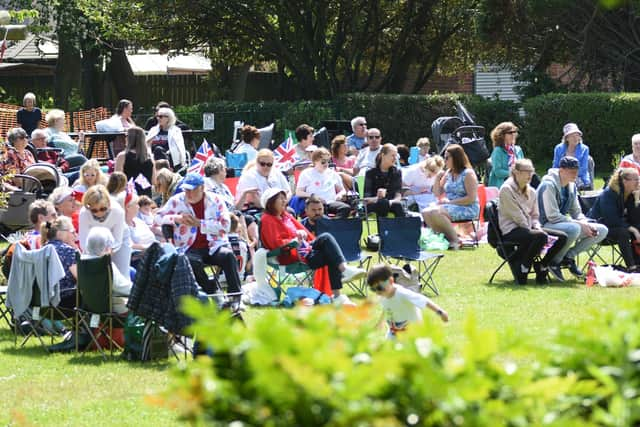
x: 610, y: 209
x: 505, y: 152
x: 572, y: 145
x: 136, y: 161
x: 257, y: 177
x: 99, y: 210
x: 249, y: 142
x: 324, y: 183
x: 17, y: 158
x: 58, y: 138
x: 383, y: 184
x: 518, y: 219
x: 419, y: 180
x: 61, y: 234
x: 29, y: 115
x: 423, y: 145
x: 166, y: 139
x: 459, y: 186
x: 141, y: 234
x: 100, y: 242
x: 279, y: 228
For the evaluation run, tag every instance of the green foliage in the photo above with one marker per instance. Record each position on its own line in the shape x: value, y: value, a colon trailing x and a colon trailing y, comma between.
x: 607, y: 121
x: 326, y: 367
x: 402, y: 118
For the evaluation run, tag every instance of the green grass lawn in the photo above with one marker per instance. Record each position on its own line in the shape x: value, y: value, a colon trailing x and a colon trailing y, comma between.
x: 55, y: 390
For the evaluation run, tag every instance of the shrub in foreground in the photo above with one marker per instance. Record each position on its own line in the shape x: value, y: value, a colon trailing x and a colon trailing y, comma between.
x: 319, y: 366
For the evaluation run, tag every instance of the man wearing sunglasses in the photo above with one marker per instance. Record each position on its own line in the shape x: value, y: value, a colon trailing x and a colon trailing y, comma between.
x: 201, y: 226
x: 367, y: 156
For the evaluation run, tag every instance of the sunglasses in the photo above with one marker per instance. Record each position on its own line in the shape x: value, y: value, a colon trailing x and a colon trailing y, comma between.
x: 511, y: 132
x: 362, y: 124
x: 379, y: 287
x: 161, y: 116
x: 265, y: 164
x: 374, y: 137
x: 324, y: 162
x: 98, y: 210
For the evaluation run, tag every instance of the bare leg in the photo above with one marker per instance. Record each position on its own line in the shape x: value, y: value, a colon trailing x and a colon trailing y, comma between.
x: 438, y: 220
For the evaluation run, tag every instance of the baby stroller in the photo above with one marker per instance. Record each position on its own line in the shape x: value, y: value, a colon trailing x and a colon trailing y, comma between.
x: 36, y: 182
x: 461, y: 129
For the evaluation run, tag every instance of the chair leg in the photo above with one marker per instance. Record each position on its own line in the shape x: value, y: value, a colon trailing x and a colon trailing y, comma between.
x: 504, y: 261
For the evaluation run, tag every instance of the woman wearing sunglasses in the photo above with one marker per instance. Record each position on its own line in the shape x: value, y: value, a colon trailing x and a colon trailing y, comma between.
x: 324, y: 183
x: 166, y: 139
x: 98, y: 209
x: 505, y: 152
x: 257, y: 177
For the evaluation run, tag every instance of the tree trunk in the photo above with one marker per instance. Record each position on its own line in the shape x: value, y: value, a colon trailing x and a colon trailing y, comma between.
x: 91, y: 78
x: 67, y: 73
x: 121, y: 74
x: 238, y: 81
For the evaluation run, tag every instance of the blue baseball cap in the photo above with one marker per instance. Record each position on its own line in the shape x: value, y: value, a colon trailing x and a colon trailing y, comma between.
x: 191, y: 181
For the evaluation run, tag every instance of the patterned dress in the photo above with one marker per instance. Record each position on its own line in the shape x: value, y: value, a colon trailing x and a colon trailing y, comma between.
x: 454, y: 189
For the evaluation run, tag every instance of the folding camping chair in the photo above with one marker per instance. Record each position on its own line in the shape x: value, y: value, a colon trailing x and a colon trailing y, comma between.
x: 347, y: 232
x: 5, y: 312
x: 504, y: 248
x: 94, y: 310
x: 399, y: 241
x: 482, y: 197
x: 593, y: 253
x: 297, y: 273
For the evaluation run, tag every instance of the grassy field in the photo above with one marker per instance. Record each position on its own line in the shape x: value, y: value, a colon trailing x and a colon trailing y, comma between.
x: 57, y: 390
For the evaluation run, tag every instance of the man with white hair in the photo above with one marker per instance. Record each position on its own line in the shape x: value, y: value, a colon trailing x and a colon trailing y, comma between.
x: 356, y: 140
x: 367, y: 157
x: 632, y: 160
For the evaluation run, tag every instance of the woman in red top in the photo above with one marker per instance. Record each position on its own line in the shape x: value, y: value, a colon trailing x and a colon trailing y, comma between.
x: 278, y: 228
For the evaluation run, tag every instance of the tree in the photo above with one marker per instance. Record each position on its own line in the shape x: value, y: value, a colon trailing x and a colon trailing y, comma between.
x: 320, y: 48
x: 600, y: 40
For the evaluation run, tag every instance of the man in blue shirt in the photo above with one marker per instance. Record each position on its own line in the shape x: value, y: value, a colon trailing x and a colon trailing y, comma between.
x: 356, y: 140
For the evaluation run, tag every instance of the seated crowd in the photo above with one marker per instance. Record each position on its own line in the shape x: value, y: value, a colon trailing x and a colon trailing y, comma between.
x: 214, y: 226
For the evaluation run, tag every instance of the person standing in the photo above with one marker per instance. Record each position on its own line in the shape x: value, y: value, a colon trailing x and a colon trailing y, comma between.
x: 29, y: 116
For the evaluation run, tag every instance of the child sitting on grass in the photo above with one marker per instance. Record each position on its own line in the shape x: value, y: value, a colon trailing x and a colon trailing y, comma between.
x: 401, y: 305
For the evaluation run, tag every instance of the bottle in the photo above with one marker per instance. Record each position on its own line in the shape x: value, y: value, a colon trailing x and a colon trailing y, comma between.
x: 591, y: 274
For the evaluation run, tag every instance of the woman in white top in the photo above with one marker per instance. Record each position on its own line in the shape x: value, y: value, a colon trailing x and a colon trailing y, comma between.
x: 98, y: 209
x: 166, y: 139
x: 141, y: 235
x: 419, y: 180
x: 324, y: 183
x: 257, y: 177
x: 250, y: 141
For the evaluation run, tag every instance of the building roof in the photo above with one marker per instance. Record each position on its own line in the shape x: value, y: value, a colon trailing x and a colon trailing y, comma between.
x: 31, y: 49
x: 154, y: 64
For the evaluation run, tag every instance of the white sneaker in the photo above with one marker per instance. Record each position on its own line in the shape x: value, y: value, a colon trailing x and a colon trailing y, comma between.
x: 342, y: 299
x: 352, y: 273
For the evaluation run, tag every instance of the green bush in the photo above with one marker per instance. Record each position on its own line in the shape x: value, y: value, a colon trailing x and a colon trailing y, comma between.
x: 402, y: 118
x: 607, y: 120
x: 325, y: 367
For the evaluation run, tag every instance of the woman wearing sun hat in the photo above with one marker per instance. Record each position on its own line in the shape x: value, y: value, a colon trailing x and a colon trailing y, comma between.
x: 572, y: 145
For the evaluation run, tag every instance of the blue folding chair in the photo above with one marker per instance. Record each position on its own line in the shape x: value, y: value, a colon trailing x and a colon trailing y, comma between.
x: 236, y: 161
x: 399, y: 241
x: 347, y: 232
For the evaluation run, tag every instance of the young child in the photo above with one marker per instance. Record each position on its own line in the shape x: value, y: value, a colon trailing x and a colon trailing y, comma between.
x: 401, y: 305
x: 146, y: 206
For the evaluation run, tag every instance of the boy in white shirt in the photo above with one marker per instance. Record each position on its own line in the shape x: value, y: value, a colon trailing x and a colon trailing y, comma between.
x: 401, y: 305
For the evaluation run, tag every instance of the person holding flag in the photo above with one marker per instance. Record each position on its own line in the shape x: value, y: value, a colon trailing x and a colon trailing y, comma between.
x: 136, y: 161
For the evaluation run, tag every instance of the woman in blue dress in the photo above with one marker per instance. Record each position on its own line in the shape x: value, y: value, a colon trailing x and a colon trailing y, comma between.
x: 457, y: 191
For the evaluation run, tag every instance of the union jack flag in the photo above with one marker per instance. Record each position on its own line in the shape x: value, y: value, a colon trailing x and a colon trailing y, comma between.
x: 203, y: 153
x: 285, y: 153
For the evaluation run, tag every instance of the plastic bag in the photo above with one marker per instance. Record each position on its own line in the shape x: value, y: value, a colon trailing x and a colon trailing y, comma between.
x: 430, y: 241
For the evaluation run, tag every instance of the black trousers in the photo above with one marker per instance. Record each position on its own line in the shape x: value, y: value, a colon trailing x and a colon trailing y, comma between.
x: 223, y: 257
x: 622, y: 237
x: 340, y: 209
x: 382, y: 207
x: 325, y: 251
x: 530, y: 243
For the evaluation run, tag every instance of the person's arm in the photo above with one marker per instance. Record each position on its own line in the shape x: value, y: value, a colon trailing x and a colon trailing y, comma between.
x: 549, y: 203
x: 217, y: 217
x: 509, y: 206
x: 303, y: 183
x: 395, y: 186
x: 438, y: 310
x: 471, y: 188
x: 584, y: 166
x: 438, y: 183
x: 500, y: 163
x: 119, y: 166
x: 558, y: 153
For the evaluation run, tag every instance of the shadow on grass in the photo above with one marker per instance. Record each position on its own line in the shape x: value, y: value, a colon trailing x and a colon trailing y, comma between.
x: 531, y: 284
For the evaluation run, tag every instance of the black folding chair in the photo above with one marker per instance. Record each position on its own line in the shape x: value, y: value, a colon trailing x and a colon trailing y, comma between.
x: 505, y: 249
x: 5, y: 312
x: 347, y: 232
x: 593, y: 253
x: 399, y: 241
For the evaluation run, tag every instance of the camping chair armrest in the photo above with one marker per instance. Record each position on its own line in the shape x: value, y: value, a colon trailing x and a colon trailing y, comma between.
x: 284, y: 248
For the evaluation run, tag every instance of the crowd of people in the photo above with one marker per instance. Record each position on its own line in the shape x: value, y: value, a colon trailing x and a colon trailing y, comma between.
x: 213, y: 225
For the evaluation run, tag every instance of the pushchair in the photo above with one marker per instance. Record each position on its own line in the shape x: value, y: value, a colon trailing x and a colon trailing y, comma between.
x: 36, y: 182
x: 462, y: 130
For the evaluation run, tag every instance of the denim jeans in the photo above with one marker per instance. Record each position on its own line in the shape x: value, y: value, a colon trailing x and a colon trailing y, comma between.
x: 577, y: 241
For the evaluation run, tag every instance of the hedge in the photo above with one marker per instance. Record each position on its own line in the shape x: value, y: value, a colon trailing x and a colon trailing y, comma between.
x: 607, y: 120
x: 402, y: 118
